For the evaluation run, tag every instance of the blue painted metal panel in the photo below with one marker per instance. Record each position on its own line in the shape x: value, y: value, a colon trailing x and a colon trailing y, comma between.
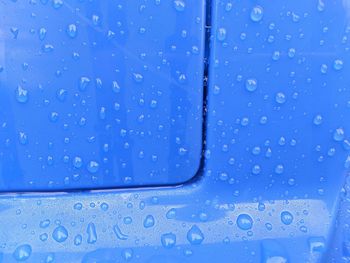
x: 275, y: 160
x: 98, y: 94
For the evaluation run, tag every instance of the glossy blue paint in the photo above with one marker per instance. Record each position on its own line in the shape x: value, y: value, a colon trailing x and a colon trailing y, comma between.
x: 96, y: 94
x: 276, y: 158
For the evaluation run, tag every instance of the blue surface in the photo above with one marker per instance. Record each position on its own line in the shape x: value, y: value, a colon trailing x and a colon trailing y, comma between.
x: 276, y: 159
x: 96, y: 94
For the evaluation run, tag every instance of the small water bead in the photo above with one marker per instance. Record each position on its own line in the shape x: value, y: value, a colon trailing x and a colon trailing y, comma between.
x: 195, y: 235
x: 168, y: 240
x: 43, y: 237
x: 77, y: 162
x: 280, y: 98
x: 83, y: 83
x: 338, y: 64
x: 318, y: 120
x: 244, y: 222
x: 257, y: 13
x: 23, y: 138
x: 127, y: 254
x: 78, y: 206
x: 276, y: 55
x: 324, y: 68
x: 251, y: 85
x: 57, y: 3
x: 279, y: 169
x: 138, y: 77
x: 42, y: 33
x: 287, y: 218
x: 60, y: 234
x: 256, y: 169
x: 127, y: 220
x: 339, y: 134
x: 149, y: 221
x: 44, y: 223
x: 179, y: 5
x: 221, y: 34
x: 22, y: 253
x: 104, y: 206
x: 78, y: 239
x: 61, y: 94
x: 72, y: 30
x: 21, y: 94
x: 93, y: 167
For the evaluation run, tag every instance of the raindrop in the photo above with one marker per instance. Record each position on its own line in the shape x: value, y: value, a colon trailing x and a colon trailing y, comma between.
x: 244, y: 222
x: 60, y: 234
x: 195, y: 235
x: 286, y: 217
x: 257, y: 13
x: 22, y: 253
x: 168, y: 240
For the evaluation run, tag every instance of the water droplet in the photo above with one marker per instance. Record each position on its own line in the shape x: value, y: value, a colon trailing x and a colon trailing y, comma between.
x: 23, y: 139
x: 171, y: 214
x: 72, y: 30
x: 338, y: 64
x: 42, y: 33
x: 78, y: 206
x: 195, y: 235
x: 127, y: 254
x: 179, y: 5
x: 104, y: 206
x: 256, y: 169
x: 221, y: 34
x: 22, y: 253
x: 244, y: 222
x: 257, y: 13
x: 92, y: 167
x: 251, y: 84
x: 45, y: 223
x: 279, y: 169
x: 318, y: 120
x: 60, y: 234
x: 286, y: 217
x: 339, y: 134
x: 77, y: 162
x: 138, y: 77
x: 149, y: 221
x: 83, y: 83
x: 168, y: 240
x: 78, y: 239
x: 280, y: 98
x: 57, y: 3
x: 317, y: 244
x: 21, y: 95
x: 92, y: 235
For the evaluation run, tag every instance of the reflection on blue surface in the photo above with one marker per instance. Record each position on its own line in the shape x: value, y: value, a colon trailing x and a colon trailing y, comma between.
x: 97, y: 94
x: 275, y: 160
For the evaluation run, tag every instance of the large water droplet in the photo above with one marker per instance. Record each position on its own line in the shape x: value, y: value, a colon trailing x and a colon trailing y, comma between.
x: 195, y: 235
x: 22, y: 253
x: 72, y: 30
x: 339, y: 134
x: 179, y: 5
x: 251, y: 84
x: 149, y: 221
x: 60, y: 234
x: 244, y: 222
x: 257, y: 13
x: 286, y: 217
x: 21, y: 94
x: 92, y: 167
x: 280, y: 98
